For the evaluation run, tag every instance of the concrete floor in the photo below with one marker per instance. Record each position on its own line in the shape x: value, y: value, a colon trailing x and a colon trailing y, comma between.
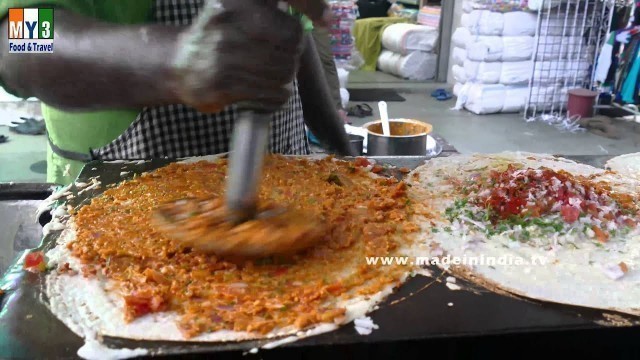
x: 21, y: 159
x: 489, y: 133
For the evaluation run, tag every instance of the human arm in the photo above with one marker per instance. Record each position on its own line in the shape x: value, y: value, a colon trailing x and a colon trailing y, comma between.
x: 320, y: 113
x: 95, y: 65
x: 99, y: 65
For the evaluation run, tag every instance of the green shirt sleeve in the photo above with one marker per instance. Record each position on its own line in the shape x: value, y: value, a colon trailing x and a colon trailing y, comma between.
x: 116, y: 11
x: 307, y: 25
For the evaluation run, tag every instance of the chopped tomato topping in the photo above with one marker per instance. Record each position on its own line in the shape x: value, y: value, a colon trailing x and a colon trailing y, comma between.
x: 569, y: 213
x: 335, y: 289
x: 280, y: 271
x: 35, y: 262
x: 141, y: 303
x: 505, y: 206
x: 538, y: 192
x: 377, y: 169
x: 362, y: 162
x: 400, y: 190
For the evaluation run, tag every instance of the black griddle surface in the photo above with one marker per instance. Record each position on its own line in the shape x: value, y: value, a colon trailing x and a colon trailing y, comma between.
x: 415, y: 318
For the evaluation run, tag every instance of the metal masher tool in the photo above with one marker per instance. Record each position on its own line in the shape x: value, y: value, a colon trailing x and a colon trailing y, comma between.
x: 221, y: 228
x: 248, y: 149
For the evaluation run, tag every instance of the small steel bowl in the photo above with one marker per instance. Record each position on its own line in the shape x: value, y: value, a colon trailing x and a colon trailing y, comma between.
x: 408, y: 138
x: 357, y: 142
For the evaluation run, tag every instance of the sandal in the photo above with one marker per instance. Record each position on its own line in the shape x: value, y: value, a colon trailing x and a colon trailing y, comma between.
x: 362, y: 110
x: 444, y: 96
x: 438, y: 92
x: 28, y: 126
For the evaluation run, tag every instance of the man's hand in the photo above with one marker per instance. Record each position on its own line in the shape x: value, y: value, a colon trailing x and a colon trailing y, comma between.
x: 320, y: 113
x: 243, y: 51
x: 136, y: 65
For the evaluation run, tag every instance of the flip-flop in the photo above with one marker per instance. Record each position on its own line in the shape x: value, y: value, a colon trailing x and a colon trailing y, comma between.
x: 361, y: 110
x: 28, y: 126
x: 444, y: 96
x: 438, y: 92
x: 3, y: 139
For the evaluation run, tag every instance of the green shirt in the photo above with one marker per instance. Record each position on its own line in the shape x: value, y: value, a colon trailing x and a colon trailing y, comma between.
x: 81, y: 131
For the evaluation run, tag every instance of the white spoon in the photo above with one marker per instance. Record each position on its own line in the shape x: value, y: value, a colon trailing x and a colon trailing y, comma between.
x: 384, y: 116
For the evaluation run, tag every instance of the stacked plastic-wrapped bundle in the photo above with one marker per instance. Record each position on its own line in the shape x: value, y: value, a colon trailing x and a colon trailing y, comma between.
x: 493, y: 55
x: 429, y: 16
x: 345, y: 13
x: 408, y: 51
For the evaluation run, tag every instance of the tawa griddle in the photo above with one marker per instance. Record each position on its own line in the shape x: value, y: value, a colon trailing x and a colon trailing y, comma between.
x: 417, y: 320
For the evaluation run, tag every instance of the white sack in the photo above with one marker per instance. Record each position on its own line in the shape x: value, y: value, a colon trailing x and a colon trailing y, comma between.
x: 516, y: 72
x: 553, y: 25
x: 506, y: 73
x: 578, y: 69
x: 461, y: 37
x: 344, y: 97
x: 551, y: 48
x: 467, y: 5
x: 492, y: 98
x: 458, y: 56
x: 517, y: 48
x: 465, y: 21
x: 484, y: 22
x: 483, y: 72
x: 545, y: 94
x: 498, y: 48
x: 417, y: 65
x: 545, y: 98
x: 485, y: 48
x: 459, y: 74
x: 554, y: 47
x: 547, y: 72
x: 519, y: 23
x: 520, y: 72
x: 457, y: 88
x: 485, y: 99
x: 577, y: 48
x: 550, y: 72
x: 543, y: 4
x: 343, y: 77
x: 405, y: 38
x: 490, y: 23
x: 515, y: 98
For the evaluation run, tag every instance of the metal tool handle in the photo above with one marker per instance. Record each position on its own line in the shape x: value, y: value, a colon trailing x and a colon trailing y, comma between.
x: 248, y: 148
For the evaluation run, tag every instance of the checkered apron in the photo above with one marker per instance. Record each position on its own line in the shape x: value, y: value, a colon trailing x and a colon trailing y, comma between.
x: 176, y: 131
